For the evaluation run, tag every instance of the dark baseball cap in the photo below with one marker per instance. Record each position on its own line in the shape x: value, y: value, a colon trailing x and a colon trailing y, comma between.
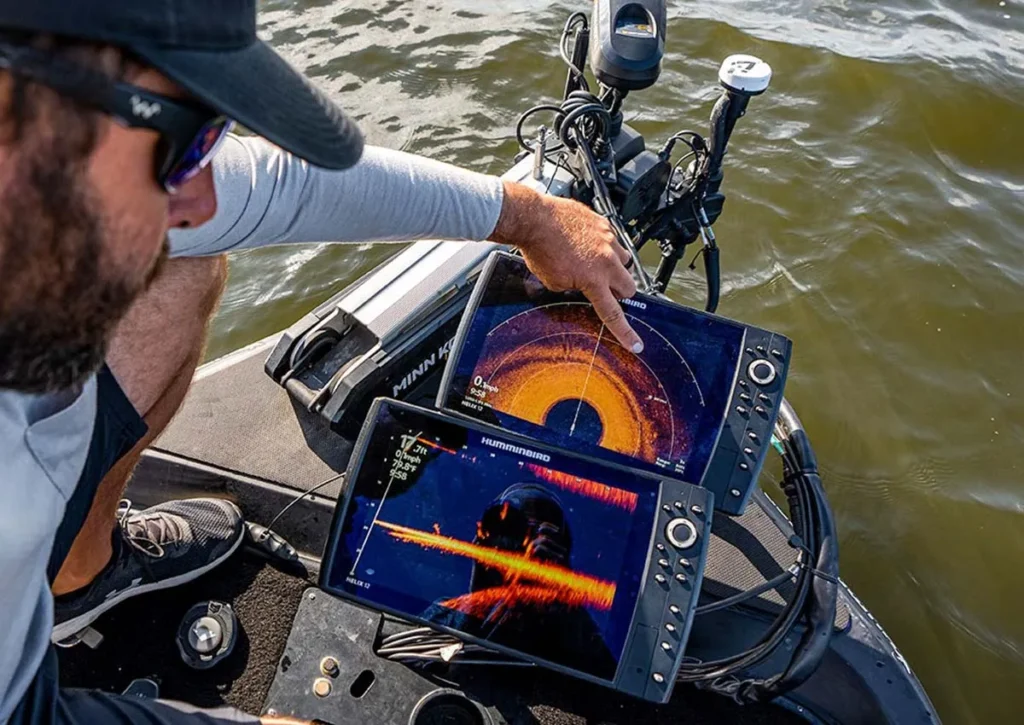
x: 210, y: 48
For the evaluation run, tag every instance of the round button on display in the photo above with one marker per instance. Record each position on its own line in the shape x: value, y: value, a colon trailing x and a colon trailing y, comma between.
x: 762, y: 372
x: 681, y: 533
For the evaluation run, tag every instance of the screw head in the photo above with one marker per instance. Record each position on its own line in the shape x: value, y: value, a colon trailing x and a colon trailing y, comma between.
x: 321, y: 687
x: 658, y: 677
x: 681, y: 578
x: 329, y: 666
x: 659, y: 578
x: 735, y: 492
x: 697, y: 509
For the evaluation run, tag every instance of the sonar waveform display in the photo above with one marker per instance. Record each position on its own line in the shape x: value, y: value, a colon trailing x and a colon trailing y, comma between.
x: 542, y: 364
x: 539, y: 553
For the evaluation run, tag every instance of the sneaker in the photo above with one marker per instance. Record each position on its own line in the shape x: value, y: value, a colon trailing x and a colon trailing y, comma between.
x: 160, y: 547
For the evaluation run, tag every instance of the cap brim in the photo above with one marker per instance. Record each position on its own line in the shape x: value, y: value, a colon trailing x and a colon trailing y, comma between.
x: 260, y: 90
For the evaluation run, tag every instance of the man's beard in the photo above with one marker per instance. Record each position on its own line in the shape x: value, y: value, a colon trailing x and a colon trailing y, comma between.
x: 60, y: 296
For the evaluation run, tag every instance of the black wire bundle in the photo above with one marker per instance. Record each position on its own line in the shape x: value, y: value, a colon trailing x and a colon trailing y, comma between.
x: 589, y: 115
x: 422, y: 646
x: 816, y: 583
x: 582, y: 117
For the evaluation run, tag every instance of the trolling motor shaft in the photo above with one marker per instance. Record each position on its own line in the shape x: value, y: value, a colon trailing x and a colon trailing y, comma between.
x: 742, y: 77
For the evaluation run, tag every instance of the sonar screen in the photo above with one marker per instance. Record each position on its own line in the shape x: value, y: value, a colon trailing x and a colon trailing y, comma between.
x: 542, y: 364
x: 522, y: 548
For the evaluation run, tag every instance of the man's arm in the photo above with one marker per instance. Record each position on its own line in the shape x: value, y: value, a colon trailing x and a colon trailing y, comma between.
x: 266, y: 196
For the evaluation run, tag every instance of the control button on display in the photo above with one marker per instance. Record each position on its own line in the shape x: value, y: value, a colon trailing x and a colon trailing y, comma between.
x: 681, y: 533
x: 762, y: 372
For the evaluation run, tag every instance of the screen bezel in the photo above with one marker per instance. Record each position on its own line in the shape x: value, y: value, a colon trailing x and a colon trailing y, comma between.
x: 445, y: 395
x: 328, y: 560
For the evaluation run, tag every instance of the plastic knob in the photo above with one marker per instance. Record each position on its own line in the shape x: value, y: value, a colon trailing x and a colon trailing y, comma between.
x: 681, y: 533
x: 762, y: 372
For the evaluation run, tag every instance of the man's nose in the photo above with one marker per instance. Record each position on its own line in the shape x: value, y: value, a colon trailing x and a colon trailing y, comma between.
x: 195, y: 202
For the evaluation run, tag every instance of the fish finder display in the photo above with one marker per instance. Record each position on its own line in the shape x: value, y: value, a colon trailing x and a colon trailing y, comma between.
x: 543, y: 365
x: 539, y: 553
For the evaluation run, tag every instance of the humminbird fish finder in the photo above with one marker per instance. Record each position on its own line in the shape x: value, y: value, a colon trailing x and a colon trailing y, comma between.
x: 568, y: 562
x: 698, y: 404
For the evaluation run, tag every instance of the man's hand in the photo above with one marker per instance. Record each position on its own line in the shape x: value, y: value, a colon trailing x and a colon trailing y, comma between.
x: 570, y: 247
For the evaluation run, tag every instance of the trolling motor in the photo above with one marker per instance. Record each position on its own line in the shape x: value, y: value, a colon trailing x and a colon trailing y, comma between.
x: 641, y: 193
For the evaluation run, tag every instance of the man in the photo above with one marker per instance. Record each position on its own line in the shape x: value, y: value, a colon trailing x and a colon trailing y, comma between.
x: 109, y: 114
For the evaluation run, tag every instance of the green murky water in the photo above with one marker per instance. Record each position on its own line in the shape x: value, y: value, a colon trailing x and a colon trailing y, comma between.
x: 875, y: 215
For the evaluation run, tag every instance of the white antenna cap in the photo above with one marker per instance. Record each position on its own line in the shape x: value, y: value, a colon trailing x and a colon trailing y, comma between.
x: 745, y: 74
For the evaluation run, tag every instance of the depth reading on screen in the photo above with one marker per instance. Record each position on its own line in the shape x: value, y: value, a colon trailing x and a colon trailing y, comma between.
x: 528, y: 549
x: 543, y: 365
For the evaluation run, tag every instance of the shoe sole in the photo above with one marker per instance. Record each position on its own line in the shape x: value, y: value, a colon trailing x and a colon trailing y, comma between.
x: 68, y: 629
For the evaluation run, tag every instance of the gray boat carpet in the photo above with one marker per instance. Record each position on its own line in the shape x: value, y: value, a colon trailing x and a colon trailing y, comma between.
x: 140, y: 634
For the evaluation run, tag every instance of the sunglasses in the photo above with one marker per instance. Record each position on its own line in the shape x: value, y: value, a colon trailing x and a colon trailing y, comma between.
x: 190, y: 134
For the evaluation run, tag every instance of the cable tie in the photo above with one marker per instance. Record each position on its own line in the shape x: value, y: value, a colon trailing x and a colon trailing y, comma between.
x: 824, y: 575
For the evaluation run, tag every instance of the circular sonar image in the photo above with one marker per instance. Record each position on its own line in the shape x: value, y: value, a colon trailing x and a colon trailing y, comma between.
x: 557, y: 366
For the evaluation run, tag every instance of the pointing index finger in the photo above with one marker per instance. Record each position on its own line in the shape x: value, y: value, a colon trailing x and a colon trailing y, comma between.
x: 611, y: 314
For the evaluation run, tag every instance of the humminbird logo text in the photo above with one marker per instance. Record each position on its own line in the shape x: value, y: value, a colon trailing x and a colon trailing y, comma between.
x: 144, y: 109
x: 518, y: 450
x: 635, y: 303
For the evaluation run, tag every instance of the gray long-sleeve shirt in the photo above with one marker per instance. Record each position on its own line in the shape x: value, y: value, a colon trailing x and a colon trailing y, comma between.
x: 388, y: 196
x: 265, y: 197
